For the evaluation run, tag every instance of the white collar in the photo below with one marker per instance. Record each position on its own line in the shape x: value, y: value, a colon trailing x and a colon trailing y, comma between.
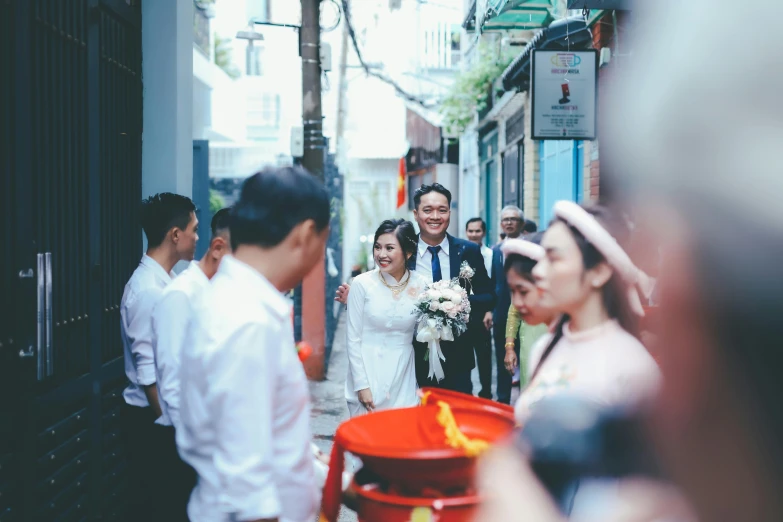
x: 156, y: 268
x: 390, y: 279
x: 195, y: 265
x: 257, y: 284
x: 444, y: 246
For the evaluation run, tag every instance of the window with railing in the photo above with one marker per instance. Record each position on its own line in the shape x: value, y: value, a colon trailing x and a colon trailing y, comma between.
x: 441, y: 46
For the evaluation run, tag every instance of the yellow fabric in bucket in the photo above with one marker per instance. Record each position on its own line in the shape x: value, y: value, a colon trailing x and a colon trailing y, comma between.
x: 454, y: 437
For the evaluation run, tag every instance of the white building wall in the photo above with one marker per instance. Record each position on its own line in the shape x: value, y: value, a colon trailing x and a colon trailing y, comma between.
x: 167, y: 69
x: 370, y: 198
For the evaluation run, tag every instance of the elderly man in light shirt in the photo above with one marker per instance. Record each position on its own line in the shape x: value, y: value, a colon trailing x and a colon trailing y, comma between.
x: 244, y: 401
x: 170, y: 323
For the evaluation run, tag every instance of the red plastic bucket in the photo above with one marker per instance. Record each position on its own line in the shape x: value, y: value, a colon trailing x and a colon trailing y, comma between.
x: 376, y: 506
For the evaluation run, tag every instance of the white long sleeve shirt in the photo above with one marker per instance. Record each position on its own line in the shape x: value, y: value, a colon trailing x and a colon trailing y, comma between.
x: 170, y: 323
x: 245, y: 405
x: 138, y: 300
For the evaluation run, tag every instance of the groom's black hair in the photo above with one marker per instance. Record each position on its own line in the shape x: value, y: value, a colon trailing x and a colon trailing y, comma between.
x: 273, y: 202
x: 426, y: 189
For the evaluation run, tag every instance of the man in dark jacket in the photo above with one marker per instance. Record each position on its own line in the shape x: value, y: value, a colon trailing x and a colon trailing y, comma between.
x: 512, y: 221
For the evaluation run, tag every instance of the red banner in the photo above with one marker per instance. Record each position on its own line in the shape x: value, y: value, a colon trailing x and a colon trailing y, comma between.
x: 401, y: 184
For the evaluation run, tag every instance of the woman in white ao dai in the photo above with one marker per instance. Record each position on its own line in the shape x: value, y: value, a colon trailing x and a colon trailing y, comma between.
x: 381, y: 325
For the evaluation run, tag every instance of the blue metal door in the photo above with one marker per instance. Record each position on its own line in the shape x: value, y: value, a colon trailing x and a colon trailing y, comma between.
x: 561, y: 175
x: 201, y: 194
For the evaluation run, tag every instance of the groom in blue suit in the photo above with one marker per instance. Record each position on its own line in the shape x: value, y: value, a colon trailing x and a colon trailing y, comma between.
x: 440, y: 256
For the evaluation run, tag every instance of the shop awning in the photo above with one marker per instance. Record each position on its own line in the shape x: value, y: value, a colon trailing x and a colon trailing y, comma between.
x: 569, y: 33
x: 601, y: 4
x: 504, y: 15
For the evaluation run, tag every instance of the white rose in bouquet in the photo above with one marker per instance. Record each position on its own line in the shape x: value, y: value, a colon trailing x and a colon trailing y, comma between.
x: 447, y: 307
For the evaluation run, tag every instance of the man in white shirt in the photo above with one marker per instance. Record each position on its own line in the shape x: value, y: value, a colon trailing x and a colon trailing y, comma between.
x: 170, y: 224
x: 479, y: 328
x: 244, y: 402
x: 170, y: 323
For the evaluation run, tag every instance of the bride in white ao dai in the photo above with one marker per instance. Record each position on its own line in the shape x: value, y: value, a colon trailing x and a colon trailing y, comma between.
x: 381, y: 325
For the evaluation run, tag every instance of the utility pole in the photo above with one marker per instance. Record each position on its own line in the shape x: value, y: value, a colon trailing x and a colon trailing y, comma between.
x: 342, y: 87
x: 314, y: 285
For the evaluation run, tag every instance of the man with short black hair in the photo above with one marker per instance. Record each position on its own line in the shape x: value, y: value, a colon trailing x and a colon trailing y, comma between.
x: 480, y: 326
x: 170, y: 224
x: 245, y: 404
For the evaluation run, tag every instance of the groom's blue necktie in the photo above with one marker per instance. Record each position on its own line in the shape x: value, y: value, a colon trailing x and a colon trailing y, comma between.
x: 437, y: 275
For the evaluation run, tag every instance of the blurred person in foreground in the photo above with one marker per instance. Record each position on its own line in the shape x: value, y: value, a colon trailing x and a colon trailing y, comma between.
x: 710, y: 182
x: 245, y: 404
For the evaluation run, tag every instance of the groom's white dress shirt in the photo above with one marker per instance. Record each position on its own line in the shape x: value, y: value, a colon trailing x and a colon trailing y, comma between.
x: 424, y: 262
x: 170, y: 323
x: 138, y: 300
x: 245, y: 405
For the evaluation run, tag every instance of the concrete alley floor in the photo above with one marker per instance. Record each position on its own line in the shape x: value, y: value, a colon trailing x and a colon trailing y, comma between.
x: 328, y: 399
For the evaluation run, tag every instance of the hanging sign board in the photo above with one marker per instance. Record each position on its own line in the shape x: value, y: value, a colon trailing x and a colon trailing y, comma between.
x: 564, y: 91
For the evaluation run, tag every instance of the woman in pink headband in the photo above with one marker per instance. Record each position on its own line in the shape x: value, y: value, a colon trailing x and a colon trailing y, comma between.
x: 586, y: 276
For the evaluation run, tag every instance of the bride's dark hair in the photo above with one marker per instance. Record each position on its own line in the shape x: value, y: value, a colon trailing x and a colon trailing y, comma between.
x: 403, y: 230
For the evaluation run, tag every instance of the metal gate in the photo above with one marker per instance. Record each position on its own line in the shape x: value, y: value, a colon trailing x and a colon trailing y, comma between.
x: 70, y: 154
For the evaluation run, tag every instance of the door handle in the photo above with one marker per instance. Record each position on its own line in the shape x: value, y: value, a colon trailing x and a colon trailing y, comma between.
x: 49, y: 349
x: 38, y: 351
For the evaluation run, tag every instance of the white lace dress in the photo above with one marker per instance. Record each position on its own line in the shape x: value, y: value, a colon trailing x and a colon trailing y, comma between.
x: 380, y: 342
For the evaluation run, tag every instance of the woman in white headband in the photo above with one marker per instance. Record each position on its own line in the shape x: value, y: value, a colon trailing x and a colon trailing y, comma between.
x: 526, y: 317
x: 587, y: 277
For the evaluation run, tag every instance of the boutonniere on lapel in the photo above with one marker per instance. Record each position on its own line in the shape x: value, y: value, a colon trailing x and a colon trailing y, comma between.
x: 466, y: 274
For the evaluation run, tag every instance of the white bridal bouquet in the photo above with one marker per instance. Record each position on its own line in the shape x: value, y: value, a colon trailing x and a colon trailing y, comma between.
x: 442, y: 313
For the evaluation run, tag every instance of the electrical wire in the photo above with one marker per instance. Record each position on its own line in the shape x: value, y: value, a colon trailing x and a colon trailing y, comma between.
x: 370, y: 72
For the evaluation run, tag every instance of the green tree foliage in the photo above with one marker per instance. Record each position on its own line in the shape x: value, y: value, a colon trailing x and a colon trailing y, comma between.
x: 223, y: 59
x: 471, y: 89
x: 216, y: 201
